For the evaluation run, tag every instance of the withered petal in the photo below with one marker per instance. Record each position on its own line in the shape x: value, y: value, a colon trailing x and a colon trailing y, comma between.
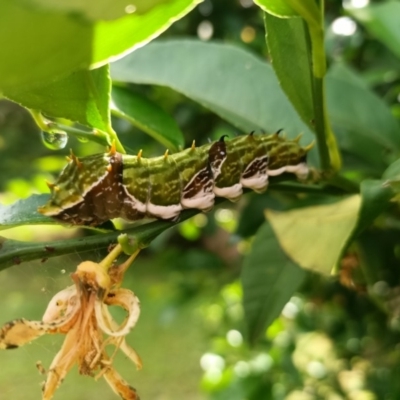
x: 61, y: 364
x: 119, y: 385
x: 19, y: 332
x: 125, y: 299
x: 62, y: 305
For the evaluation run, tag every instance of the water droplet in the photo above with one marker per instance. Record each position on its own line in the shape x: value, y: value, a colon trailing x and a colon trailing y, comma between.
x: 83, y: 139
x: 55, y: 140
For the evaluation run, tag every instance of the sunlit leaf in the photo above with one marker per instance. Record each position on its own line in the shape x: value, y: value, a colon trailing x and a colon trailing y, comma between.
x: 382, y: 20
x: 82, y: 97
x: 315, y: 237
x: 39, y: 46
x: 94, y: 9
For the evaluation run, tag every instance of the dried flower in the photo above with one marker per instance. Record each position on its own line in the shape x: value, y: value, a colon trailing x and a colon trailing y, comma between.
x: 81, y: 312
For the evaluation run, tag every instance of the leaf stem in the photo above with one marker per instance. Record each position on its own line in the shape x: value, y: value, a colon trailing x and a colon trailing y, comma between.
x: 14, y: 252
x: 94, y: 135
x: 107, y: 261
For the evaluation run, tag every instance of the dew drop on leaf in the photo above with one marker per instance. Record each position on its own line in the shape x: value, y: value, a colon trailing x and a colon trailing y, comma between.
x: 55, y: 140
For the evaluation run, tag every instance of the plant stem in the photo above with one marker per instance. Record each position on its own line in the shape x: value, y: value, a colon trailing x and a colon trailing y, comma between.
x: 326, y: 141
x: 111, y: 256
x: 94, y: 135
x: 14, y: 252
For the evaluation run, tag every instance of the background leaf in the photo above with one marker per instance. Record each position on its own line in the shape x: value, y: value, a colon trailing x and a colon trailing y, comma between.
x: 269, y: 279
x: 50, y: 45
x: 148, y: 117
x: 376, y: 198
x: 362, y: 122
x: 382, y: 21
x: 228, y: 80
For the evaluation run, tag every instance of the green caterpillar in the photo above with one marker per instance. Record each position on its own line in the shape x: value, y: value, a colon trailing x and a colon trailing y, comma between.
x: 94, y: 189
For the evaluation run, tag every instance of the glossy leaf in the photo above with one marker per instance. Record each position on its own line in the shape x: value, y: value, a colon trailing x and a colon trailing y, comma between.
x: 50, y: 45
x: 24, y: 212
x: 382, y: 21
x: 228, y: 80
x: 269, y: 279
x: 82, y: 97
x: 315, y: 237
x: 148, y: 117
x: 362, y: 121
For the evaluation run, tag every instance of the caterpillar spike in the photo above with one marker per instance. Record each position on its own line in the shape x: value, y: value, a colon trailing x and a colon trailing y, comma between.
x: 298, y: 137
x: 50, y: 185
x: 113, y: 149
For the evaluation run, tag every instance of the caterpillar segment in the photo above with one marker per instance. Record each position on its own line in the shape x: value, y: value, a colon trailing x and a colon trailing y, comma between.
x: 94, y: 189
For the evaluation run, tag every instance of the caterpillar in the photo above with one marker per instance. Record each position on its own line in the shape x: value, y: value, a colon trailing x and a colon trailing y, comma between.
x: 94, y: 189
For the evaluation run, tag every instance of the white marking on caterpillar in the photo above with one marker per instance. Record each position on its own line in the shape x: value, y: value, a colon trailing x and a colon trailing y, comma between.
x: 300, y: 170
x: 138, y: 205
x: 231, y: 193
x: 165, y: 212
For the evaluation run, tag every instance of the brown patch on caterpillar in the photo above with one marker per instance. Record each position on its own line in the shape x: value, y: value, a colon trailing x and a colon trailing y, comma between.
x: 202, y: 182
x: 217, y: 155
x: 258, y: 166
x: 102, y: 202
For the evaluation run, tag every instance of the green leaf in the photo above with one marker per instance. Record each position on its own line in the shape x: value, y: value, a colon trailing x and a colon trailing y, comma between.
x: 93, y: 9
x: 148, y: 117
x: 382, y: 21
x: 269, y: 279
x: 376, y: 196
x: 297, y: 54
x: 38, y: 46
x: 290, y: 58
x: 82, y: 97
x: 279, y: 8
x: 24, y: 212
x: 393, y: 171
x: 391, y: 179
x: 315, y: 237
x: 362, y: 122
x: 231, y: 82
